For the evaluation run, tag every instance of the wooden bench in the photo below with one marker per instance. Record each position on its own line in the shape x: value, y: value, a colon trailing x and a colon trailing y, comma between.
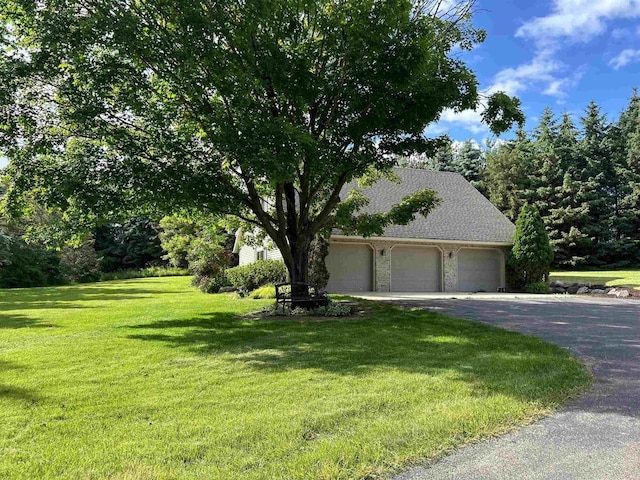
x: 299, y: 295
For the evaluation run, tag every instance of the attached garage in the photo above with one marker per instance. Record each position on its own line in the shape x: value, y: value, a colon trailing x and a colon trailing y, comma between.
x: 415, y: 269
x: 479, y: 270
x: 350, y: 267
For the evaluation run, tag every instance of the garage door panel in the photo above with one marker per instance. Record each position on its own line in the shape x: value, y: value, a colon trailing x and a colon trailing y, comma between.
x: 350, y: 268
x: 479, y: 270
x: 415, y: 269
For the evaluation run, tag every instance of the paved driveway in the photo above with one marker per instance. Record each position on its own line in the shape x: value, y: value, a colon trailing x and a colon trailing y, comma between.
x: 597, y: 436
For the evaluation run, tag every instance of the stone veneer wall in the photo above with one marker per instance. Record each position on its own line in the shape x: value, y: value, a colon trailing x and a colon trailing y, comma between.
x: 382, y: 263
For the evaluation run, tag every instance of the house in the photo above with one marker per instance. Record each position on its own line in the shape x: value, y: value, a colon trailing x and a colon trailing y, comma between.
x: 461, y: 246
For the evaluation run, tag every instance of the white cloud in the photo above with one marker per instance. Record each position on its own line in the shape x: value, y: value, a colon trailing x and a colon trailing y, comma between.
x: 468, y: 119
x: 577, y: 20
x: 624, y: 58
x: 515, y: 80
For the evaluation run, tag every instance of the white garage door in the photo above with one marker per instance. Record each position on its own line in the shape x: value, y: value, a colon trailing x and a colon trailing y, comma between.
x: 350, y: 268
x: 415, y: 269
x: 479, y: 270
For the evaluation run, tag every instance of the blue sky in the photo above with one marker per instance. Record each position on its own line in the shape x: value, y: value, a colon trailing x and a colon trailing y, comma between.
x: 556, y: 53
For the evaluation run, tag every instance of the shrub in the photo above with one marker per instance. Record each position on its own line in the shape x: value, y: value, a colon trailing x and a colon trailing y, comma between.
x: 262, y: 272
x: 208, y: 260
x: 209, y: 284
x: 30, y: 265
x: 80, y: 264
x: 144, y: 273
x: 333, y: 310
x: 264, y: 292
x: 537, y: 287
x: 532, y: 252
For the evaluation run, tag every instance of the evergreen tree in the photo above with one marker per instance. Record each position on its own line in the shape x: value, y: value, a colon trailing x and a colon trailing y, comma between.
x: 507, y: 176
x: 548, y: 177
x: 469, y: 162
x: 625, y: 143
x: 532, y: 254
x: 600, y: 183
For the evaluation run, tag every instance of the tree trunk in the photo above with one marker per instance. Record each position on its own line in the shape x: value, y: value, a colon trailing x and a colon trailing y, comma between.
x: 299, y: 270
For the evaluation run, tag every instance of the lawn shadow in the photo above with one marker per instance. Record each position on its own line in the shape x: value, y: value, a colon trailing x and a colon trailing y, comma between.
x: 12, y: 392
x: 65, y: 297
x: 15, y: 321
x: 389, y: 339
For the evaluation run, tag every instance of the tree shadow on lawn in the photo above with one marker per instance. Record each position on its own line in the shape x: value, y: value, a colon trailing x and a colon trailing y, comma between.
x: 389, y: 339
x: 64, y: 297
x: 13, y: 321
x: 11, y: 392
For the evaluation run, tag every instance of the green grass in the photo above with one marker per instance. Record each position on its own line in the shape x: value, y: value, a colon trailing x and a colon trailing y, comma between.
x: 627, y: 278
x: 151, y: 379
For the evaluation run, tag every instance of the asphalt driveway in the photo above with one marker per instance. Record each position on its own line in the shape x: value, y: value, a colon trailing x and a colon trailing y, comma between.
x: 596, y: 436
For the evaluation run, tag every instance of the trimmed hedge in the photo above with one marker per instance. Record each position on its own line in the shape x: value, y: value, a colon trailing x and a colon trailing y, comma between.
x: 262, y: 272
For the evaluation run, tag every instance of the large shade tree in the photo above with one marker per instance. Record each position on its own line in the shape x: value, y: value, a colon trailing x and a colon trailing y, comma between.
x: 260, y: 109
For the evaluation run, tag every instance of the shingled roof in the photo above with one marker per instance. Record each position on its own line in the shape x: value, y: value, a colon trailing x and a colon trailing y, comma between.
x: 463, y: 215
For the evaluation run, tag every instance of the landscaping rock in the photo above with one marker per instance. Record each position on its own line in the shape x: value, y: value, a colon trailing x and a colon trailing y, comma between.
x: 557, y: 285
x: 573, y: 289
x: 583, y: 291
x: 598, y: 287
x: 227, y: 289
x: 622, y: 293
x: 613, y: 291
x: 557, y: 290
x: 598, y: 291
x: 607, y: 290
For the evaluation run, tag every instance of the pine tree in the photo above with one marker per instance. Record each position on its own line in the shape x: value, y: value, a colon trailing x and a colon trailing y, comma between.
x: 548, y: 178
x: 625, y: 142
x: 469, y: 162
x: 570, y: 215
x: 599, y: 183
x: 532, y: 254
x: 507, y: 176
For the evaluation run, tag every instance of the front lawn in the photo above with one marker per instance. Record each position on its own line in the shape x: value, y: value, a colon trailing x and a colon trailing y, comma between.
x: 627, y: 278
x: 150, y: 379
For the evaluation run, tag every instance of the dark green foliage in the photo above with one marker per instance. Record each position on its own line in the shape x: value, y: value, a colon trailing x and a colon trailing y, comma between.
x: 80, y: 264
x: 131, y: 246
x: 537, y: 287
x: 532, y: 254
x: 5, y: 248
x: 31, y: 265
x: 585, y: 184
x: 262, y: 272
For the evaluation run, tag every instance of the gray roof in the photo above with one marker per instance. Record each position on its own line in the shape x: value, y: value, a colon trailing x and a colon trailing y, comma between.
x: 464, y: 213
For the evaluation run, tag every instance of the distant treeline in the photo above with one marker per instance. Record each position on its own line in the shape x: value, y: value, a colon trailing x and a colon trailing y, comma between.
x: 583, y: 176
